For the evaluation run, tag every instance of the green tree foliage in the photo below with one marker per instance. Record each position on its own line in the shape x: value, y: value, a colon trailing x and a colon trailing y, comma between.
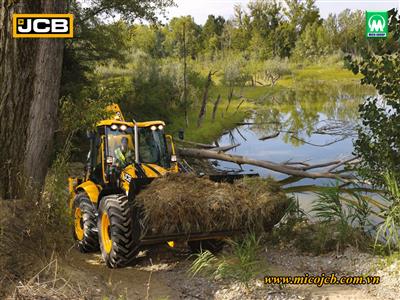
x: 98, y: 45
x: 149, y: 88
x: 265, y: 16
x: 313, y: 43
x: 274, y: 69
x: 149, y: 39
x: 351, y: 31
x: 235, y: 72
x: 255, y: 29
x: 302, y: 13
x: 239, y: 29
x: 98, y: 41
x: 379, y: 140
x: 129, y: 10
x: 211, y: 34
x: 182, y: 33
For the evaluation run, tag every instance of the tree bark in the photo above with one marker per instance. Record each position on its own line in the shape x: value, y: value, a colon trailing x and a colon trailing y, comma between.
x: 215, y: 107
x: 205, y: 98
x: 230, y: 96
x: 185, y: 88
x: 30, y: 75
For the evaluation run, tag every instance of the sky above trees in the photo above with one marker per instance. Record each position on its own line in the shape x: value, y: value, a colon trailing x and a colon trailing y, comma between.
x: 202, y: 8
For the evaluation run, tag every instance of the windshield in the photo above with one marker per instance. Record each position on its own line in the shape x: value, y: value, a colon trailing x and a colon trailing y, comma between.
x: 152, y: 147
x: 120, y: 146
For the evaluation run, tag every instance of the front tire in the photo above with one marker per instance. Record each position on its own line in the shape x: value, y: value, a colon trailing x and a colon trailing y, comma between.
x: 116, y: 226
x: 85, y: 224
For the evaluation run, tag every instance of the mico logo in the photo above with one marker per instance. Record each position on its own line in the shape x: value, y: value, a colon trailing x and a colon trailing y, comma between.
x: 377, y: 24
x: 43, y: 25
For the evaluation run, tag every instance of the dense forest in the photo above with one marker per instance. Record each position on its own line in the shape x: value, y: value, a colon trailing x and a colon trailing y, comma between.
x: 174, y: 59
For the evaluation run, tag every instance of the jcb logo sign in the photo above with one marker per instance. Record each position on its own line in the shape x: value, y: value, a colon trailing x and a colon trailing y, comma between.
x: 377, y: 24
x: 43, y: 26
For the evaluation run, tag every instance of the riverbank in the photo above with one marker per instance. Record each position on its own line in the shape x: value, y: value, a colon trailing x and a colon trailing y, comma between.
x: 248, y: 99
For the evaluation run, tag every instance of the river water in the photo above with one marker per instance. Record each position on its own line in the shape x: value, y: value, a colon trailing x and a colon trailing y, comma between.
x: 316, y: 122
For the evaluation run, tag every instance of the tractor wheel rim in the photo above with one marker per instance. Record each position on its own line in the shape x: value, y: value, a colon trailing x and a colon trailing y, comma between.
x: 79, y: 232
x: 105, y: 233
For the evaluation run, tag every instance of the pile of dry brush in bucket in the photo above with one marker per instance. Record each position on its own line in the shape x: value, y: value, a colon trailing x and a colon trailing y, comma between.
x: 189, y: 204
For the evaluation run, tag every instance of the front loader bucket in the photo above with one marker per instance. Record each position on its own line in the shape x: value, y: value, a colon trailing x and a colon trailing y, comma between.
x: 138, y: 184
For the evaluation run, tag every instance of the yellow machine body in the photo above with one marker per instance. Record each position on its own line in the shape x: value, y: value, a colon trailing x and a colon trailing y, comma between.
x: 125, y: 175
x: 124, y: 157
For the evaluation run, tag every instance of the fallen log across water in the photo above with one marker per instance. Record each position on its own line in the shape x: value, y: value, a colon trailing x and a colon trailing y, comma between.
x: 206, y: 146
x: 224, y: 148
x: 298, y: 171
x: 210, y: 147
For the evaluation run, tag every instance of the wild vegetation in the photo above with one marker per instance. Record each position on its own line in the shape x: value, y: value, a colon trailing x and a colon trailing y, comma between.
x: 160, y: 70
x: 206, y: 79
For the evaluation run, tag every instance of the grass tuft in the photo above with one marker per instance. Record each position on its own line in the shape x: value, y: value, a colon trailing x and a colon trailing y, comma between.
x: 241, y: 264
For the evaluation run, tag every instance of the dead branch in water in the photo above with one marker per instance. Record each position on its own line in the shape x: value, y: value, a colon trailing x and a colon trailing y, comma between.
x: 299, y: 171
x: 331, y: 127
x: 320, y: 145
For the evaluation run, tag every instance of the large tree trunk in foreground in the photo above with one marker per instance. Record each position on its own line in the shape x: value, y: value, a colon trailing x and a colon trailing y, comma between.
x: 30, y: 76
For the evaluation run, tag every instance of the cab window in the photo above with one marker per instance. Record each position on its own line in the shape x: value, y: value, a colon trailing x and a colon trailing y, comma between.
x: 115, y: 139
x: 152, y: 146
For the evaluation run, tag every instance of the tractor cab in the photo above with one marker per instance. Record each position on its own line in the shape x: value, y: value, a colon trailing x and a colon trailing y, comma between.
x: 121, y: 151
x: 116, y: 145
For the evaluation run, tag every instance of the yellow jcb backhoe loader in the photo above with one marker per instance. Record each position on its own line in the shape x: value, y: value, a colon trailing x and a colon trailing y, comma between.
x: 124, y: 156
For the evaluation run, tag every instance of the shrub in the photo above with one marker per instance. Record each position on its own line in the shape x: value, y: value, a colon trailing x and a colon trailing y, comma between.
x: 242, y: 264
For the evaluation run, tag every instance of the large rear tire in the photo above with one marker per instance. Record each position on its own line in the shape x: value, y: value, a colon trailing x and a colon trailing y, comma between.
x: 85, y: 224
x: 116, y: 231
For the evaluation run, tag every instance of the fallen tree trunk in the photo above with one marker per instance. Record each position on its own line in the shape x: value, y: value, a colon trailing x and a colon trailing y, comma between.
x: 205, y: 146
x: 276, y: 167
x: 268, y: 137
x: 224, y: 148
x: 210, y: 147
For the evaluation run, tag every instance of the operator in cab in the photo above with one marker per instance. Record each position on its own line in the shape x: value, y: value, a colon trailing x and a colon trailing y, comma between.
x: 123, y: 154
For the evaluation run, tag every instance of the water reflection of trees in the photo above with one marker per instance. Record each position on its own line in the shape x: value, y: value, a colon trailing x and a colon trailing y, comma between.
x: 296, y: 112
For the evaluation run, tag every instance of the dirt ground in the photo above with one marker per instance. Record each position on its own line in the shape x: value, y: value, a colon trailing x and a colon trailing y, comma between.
x: 162, y: 274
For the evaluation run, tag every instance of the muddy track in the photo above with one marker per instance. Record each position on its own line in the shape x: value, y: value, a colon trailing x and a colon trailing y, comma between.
x: 162, y: 274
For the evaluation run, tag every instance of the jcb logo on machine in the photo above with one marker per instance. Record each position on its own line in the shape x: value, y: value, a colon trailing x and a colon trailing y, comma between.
x: 128, y: 178
x: 43, y: 25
